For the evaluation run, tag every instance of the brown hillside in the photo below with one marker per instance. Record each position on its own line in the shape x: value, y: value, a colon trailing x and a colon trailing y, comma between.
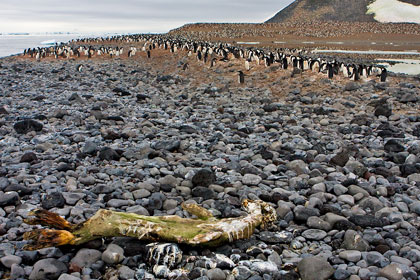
x: 325, y: 10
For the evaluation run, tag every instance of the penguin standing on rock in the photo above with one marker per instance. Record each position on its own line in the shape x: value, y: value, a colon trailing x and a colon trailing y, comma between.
x: 330, y: 71
x: 213, y: 62
x: 241, y: 77
x: 247, y: 67
x: 148, y: 54
x: 185, y: 66
x: 79, y: 68
x: 384, y: 74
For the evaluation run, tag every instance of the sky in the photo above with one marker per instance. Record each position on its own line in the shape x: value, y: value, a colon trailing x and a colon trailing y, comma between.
x: 128, y: 16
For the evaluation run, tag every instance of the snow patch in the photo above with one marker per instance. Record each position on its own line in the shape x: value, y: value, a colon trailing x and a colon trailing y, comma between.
x: 394, y: 11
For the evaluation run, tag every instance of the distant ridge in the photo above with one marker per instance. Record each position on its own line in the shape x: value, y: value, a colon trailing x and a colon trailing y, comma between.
x: 403, y: 11
x: 325, y: 10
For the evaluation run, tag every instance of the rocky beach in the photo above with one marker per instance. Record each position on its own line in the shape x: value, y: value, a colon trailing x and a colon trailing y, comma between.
x: 339, y: 160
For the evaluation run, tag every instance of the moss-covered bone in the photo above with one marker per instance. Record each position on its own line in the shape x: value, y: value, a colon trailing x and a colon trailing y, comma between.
x: 204, y: 231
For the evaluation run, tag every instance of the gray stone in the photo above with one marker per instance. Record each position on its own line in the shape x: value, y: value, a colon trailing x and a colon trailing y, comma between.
x: 352, y: 86
x: 203, y: 178
x: 113, y: 254
x: 314, y: 234
x: 353, y: 241
x: 85, y: 258
x: 315, y: 268
x: 392, y: 272
x: 251, y: 179
x: 9, y: 198
x: 68, y: 277
x: 141, y: 193
x: 241, y: 272
x: 318, y: 223
x: 216, y: 274
x: 72, y: 198
x: 90, y: 148
x: 125, y: 273
x: 117, y: 203
x: 351, y: 255
x: 16, y: 271
x: 356, y: 167
x: 347, y: 199
x: 376, y: 259
x: 298, y: 166
x: 276, y: 237
x: 47, y: 269
x: 88, y: 180
x: 170, y: 204
x: 9, y: 260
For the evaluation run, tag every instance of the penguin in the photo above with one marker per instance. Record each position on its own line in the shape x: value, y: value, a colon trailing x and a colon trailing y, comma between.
x: 185, y: 66
x: 284, y: 63
x: 247, y: 67
x: 199, y: 55
x: 355, y: 73
x: 38, y: 56
x: 241, y: 77
x: 148, y: 53
x: 213, y: 62
x: 79, y: 68
x: 384, y: 75
x: 330, y: 70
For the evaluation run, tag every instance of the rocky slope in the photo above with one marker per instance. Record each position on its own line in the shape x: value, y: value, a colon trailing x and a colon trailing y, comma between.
x: 338, y: 160
x: 335, y: 10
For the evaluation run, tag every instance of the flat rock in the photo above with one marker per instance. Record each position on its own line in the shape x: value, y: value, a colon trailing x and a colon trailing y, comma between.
x: 315, y: 268
x: 47, y: 269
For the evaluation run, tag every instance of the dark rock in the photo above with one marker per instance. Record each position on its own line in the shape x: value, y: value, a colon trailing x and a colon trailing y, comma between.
x: 315, y: 268
x: 9, y: 198
x: 47, y: 269
x: 108, y: 154
x: 303, y: 213
x: 408, y: 169
x: 351, y: 86
x: 121, y: 91
x: 270, y: 107
x: 340, y: 159
x: 353, y: 241
x: 3, y: 111
x: 64, y: 166
x: 343, y: 225
x: 141, y: 97
x: 409, y: 97
x: 187, y: 129
x: 361, y: 120
x: 20, y: 189
x: 90, y: 148
x: 169, y: 145
x: 23, y: 127
x: 75, y: 97
x: 28, y: 157
x: 383, y: 110
x: 115, y: 118
x: 52, y: 200
x: 203, y: 192
x: 283, y: 237
x: 84, y: 258
x: 204, y: 178
x: 393, y: 146
x: 366, y: 221
x: 341, y: 274
x: 155, y: 202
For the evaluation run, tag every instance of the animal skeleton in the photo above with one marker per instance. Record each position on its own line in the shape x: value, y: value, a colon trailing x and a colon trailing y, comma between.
x: 206, y: 230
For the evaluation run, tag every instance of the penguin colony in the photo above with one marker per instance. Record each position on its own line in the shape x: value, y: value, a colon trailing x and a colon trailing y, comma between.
x: 212, y: 53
